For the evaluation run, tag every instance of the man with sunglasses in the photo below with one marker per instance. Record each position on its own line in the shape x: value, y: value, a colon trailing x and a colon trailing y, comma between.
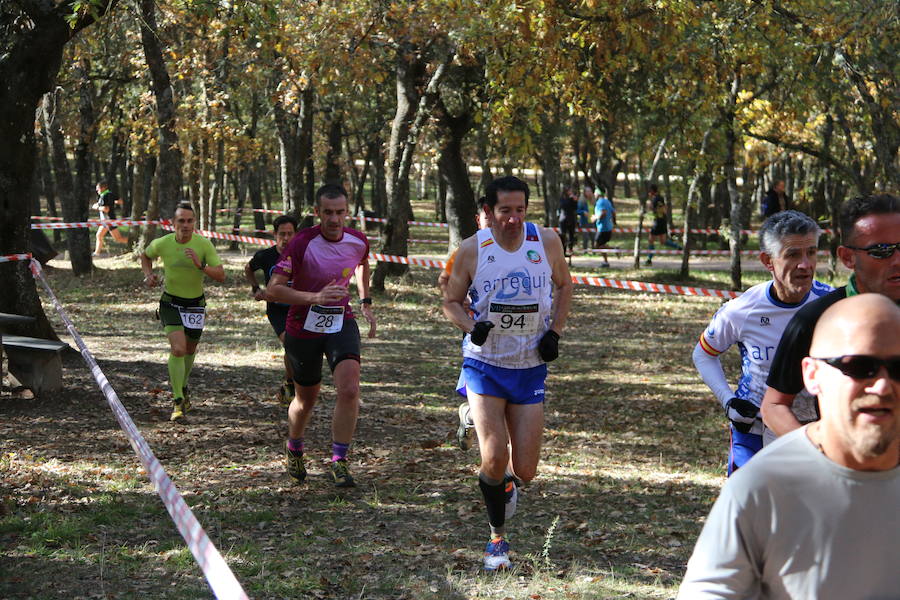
x: 754, y: 322
x: 870, y: 227
x: 814, y: 515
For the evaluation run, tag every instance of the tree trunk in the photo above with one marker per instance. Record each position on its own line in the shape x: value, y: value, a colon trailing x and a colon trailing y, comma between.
x: 74, y: 209
x: 140, y: 193
x: 84, y: 189
x: 31, y: 48
x: 408, y: 119
x: 550, y: 153
x: 481, y: 147
x: 48, y: 186
x: 333, y: 156
x: 379, y: 183
x: 454, y: 121
x: 691, y: 206
x: 731, y: 182
x: 168, y: 170
x: 293, y: 128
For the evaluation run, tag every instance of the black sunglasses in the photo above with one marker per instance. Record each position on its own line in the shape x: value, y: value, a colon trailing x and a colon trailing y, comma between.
x: 878, y: 250
x: 861, y: 366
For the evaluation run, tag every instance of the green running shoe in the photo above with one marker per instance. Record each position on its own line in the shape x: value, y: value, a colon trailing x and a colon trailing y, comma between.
x: 295, y: 466
x: 341, y: 474
x: 178, y: 409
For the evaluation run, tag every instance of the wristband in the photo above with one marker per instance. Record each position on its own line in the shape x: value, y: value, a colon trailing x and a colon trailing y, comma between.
x: 365, y: 301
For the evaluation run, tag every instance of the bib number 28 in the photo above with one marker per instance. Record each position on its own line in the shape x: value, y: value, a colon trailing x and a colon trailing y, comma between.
x: 324, y: 319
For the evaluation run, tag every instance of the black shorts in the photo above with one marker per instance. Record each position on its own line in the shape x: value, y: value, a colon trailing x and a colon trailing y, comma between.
x: 170, y: 317
x: 305, y: 354
x: 602, y: 238
x: 277, y: 315
x: 660, y: 227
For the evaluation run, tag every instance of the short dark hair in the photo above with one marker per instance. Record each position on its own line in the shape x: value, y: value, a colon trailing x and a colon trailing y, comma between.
x: 184, y: 206
x: 509, y: 183
x: 279, y: 221
x: 481, y: 202
x: 330, y: 191
x: 654, y: 188
x: 103, y: 183
x: 863, y: 206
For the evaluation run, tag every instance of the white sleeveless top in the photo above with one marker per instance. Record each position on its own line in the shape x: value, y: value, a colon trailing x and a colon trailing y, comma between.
x: 513, y: 291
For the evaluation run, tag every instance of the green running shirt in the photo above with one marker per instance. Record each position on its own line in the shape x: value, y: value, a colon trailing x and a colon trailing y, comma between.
x: 183, y: 278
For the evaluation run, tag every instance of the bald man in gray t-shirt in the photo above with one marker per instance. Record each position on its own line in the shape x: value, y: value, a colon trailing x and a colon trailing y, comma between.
x: 815, y: 514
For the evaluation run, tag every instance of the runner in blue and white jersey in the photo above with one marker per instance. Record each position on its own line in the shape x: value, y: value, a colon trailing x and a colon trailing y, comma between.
x: 508, y: 270
x: 755, y: 322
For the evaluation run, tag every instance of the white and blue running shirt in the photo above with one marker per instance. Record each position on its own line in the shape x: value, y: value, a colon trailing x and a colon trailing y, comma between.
x: 754, y: 321
x: 513, y: 291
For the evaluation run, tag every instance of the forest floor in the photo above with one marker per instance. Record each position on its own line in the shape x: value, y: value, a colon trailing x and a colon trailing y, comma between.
x: 633, y: 455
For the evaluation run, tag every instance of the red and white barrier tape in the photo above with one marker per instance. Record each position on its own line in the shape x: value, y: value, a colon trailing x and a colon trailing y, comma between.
x: 94, y: 223
x: 228, y: 236
x: 680, y: 252
x: 406, y: 260
x: 579, y: 229
x: 259, y: 210
x: 14, y: 257
x: 222, y: 581
x: 622, y: 284
x: 43, y: 218
x: 659, y: 288
x: 421, y: 223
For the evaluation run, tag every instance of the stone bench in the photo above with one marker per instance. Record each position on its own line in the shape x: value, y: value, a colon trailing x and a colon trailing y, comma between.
x: 35, y: 363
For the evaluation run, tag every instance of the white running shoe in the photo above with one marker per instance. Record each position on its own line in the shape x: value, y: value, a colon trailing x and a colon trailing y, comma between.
x: 496, y: 555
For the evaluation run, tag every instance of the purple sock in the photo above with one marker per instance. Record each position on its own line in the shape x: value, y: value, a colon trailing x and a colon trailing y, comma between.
x: 339, y: 451
x: 295, y: 445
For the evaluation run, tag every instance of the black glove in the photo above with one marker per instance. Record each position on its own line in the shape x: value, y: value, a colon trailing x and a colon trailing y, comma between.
x: 480, y: 332
x: 742, y: 413
x: 548, y: 347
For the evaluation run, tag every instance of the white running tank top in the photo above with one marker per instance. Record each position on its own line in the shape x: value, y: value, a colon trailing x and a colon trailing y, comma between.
x: 513, y: 291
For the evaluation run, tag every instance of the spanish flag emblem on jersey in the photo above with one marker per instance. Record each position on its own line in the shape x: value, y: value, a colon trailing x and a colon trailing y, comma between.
x: 487, y: 242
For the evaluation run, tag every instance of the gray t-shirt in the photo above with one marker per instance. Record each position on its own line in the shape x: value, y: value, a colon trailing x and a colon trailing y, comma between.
x: 793, y: 524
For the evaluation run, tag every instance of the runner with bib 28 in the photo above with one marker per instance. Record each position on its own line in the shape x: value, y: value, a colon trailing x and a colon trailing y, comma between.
x: 319, y: 262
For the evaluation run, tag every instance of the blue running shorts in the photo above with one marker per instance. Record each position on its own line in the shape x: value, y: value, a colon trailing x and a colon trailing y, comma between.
x: 743, y: 447
x: 516, y: 386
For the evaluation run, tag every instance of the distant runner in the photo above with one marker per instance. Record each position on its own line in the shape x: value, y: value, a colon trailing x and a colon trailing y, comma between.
x: 186, y: 258
x: 265, y: 260
x: 466, y: 424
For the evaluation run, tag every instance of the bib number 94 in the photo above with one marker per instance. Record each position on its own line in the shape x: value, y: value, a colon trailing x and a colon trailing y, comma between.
x: 514, y: 319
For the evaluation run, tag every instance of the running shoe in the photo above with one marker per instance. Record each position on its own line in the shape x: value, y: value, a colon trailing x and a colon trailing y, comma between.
x: 295, y: 466
x: 648, y: 263
x: 496, y: 555
x: 511, y: 489
x: 285, y: 392
x: 604, y: 265
x: 178, y: 409
x: 186, y: 407
x: 466, y: 427
x: 341, y: 474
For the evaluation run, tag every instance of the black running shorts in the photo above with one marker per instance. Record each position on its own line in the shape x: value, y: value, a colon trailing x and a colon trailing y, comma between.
x: 170, y: 317
x: 660, y: 227
x: 306, y: 354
